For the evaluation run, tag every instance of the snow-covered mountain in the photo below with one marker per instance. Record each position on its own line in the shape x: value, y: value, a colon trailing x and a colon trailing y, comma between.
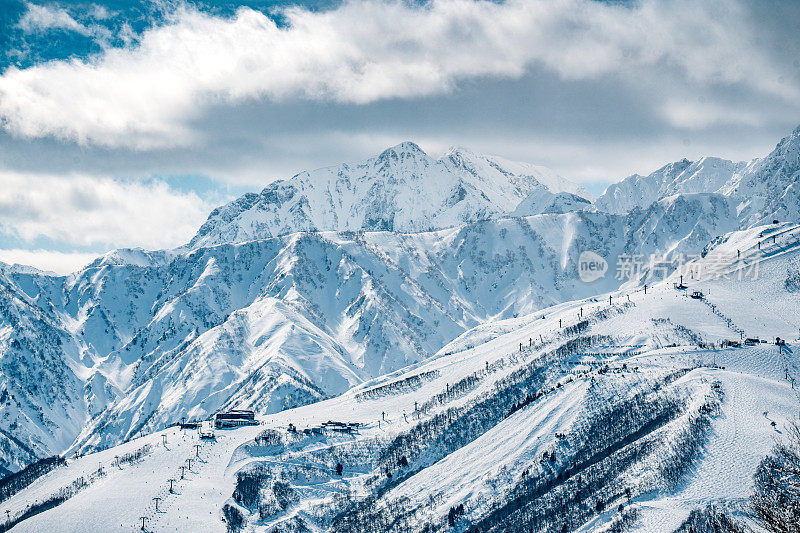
x: 627, y: 414
x: 769, y: 188
x: 403, y: 189
x: 43, y: 399
x: 281, y: 322
x: 544, y: 202
x: 762, y: 190
x: 332, y: 282
x: 706, y: 175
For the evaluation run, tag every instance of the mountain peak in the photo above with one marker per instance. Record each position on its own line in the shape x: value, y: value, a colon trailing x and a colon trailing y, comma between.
x: 405, y: 147
x: 458, y: 150
x: 402, y: 189
x: 706, y: 175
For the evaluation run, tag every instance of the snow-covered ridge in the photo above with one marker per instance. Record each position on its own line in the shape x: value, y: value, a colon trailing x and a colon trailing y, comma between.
x: 707, y: 175
x: 584, y: 416
x: 403, y: 189
x: 762, y: 189
x: 138, y: 339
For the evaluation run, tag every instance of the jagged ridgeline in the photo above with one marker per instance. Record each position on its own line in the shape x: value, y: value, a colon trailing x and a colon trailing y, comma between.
x: 422, y: 326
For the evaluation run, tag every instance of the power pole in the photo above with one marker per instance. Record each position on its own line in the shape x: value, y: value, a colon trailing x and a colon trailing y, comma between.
x: 197, y: 449
x: 171, y: 490
x: 157, y: 499
x: 189, y: 461
x: 183, y: 469
x: 143, y: 518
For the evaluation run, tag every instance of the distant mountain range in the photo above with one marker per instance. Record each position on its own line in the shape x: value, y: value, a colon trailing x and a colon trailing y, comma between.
x: 333, y: 277
x: 760, y: 190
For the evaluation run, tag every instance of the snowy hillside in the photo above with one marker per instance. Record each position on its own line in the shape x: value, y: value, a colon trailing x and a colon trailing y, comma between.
x: 762, y: 190
x: 42, y: 387
x: 771, y: 187
x: 402, y: 189
x: 493, y: 332
x: 706, y: 175
x: 282, y: 322
x: 585, y: 416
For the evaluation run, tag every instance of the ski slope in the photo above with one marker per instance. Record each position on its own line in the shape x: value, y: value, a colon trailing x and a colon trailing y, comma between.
x: 650, y: 345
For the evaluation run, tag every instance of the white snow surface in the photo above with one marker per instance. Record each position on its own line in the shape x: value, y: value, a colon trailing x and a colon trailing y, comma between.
x: 653, y: 335
x: 762, y: 190
x: 403, y: 189
x: 301, y: 302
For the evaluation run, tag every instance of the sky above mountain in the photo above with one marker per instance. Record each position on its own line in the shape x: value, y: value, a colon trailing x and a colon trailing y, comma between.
x: 125, y: 122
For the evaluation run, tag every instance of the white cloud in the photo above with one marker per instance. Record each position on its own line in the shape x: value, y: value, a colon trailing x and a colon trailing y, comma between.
x: 47, y: 260
x: 698, y: 115
x: 151, y: 94
x: 82, y: 211
x: 42, y: 18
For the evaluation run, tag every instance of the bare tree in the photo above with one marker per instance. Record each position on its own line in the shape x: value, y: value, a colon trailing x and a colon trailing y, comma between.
x: 776, y: 496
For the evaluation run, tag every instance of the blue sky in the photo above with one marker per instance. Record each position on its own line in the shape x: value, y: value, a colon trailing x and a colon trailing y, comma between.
x: 124, y: 123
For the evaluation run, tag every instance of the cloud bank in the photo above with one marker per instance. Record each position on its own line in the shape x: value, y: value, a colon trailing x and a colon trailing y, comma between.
x: 150, y: 95
x: 87, y: 212
x: 47, y: 260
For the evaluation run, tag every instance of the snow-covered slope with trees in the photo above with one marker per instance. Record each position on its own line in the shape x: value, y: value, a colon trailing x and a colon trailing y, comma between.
x: 283, y: 301
x: 588, y: 415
